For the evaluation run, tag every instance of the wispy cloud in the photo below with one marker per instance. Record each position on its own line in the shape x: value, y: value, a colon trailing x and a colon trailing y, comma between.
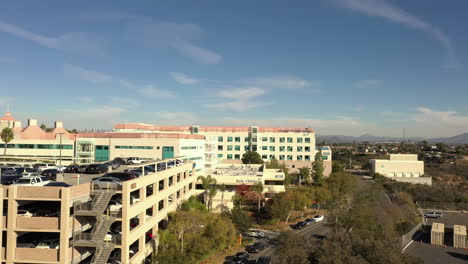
x: 73, y: 41
x: 368, y: 84
x: 358, y: 108
x: 241, y: 93
x: 182, y: 78
x: 176, y: 118
x: 383, y: 9
x: 124, y: 101
x: 97, y: 113
x: 282, y: 82
x: 237, y: 106
x: 178, y: 37
x: 155, y: 92
x: 87, y: 75
x: 85, y: 100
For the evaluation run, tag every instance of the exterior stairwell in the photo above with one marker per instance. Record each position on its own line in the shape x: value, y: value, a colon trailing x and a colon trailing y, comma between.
x: 102, y: 253
x: 101, y: 201
x: 101, y: 228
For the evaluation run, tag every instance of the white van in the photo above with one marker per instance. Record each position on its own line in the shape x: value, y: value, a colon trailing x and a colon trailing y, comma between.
x: 32, y: 181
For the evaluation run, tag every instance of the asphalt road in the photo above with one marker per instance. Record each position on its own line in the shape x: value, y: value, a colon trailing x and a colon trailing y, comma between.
x: 316, y: 230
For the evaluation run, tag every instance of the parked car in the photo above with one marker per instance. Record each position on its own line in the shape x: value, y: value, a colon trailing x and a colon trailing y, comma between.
x: 82, y: 168
x: 299, y: 225
x: 135, y: 160
x: 264, y: 260
x: 49, y: 243
x: 309, y: 221
x: 97, y: 168
x: 43, y: 166
x: 138, y: 172
x: 123, y: 176
x: 241, y: 257
x: 61, y: 168
x: 433, y: 214
x: 255, y: 233
x: 50, y: 173
x: 319, y: 218
x: 255, y: 248
x: 72, y: 169
x: 57, y: 184
x: 32, y: 181
x: 25, y: 213
x: 107, y: 182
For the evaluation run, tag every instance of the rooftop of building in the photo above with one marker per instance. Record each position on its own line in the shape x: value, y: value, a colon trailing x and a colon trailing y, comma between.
x: 7, y: 117
x: 138, y: 135
x: 147, y: 127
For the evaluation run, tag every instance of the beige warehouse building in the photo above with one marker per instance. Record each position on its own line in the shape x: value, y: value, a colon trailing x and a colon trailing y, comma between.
x: 401, y: 167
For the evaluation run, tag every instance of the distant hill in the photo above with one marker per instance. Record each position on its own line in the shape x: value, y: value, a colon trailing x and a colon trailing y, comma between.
x: 331, y: 139
x: 455, y: 140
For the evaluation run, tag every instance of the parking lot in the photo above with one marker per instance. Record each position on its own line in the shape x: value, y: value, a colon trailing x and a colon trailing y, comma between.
x: 423, y: 249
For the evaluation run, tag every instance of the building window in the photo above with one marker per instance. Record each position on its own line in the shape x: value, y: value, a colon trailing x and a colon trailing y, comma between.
x: 282, y: 140
x: 307, y: 140
x: 264, y: 139
x: 290, y: 140
x: 133, y: 147
x: 246, y: 148
x: 307, y: 149
x: 220, y: 139
x: 264, y: 148
x: 237, y: 139
x: 220, y: 147
x: 237, y: 157
x: 229, y: 139
x: 229, y: 156
x: 189, y: 147
x: 264, y: 156
x: 307, y: 157
x: 246, y: 139
x: 229, y: 147
x: 325, y: 157
x: 290, y: 157
x: 281, y: 157
x: 237, y: 148
x: 272, y: 140
x: 282, y: 148
x: 272, y: 157
x: 299, y: 149
x: 220, y: 155
x: 290, y: 148
x: 299, y: 140
x: 299, y: 157
x: 272, y: 148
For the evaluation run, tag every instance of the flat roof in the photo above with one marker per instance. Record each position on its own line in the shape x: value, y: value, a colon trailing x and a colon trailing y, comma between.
x: 438, y: 227
x: 459, y: 230
x: 138, y: 135
x: 140, y: 126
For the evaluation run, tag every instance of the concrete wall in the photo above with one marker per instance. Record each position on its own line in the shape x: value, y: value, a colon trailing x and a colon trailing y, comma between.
x: 397, y: 168
x: 409, y: 157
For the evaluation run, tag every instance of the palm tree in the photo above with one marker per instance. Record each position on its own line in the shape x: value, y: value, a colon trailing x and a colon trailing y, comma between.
x: 222, y: 189
x: 207, y: 184
x: 258, y: 190
x: 211, y: 193
x: 7, y: 136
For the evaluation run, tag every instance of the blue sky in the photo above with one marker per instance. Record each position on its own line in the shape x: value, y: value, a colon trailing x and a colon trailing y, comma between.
x: 343, y: 67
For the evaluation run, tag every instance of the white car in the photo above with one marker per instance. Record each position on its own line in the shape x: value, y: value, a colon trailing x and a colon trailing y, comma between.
x: 32, y: 181
x: 49, y: 243
x: 255, y: 233
x: 25, y: 213
x: 115, y: 207
x: 45, y: 166
x: 319, y: 218
x: 135, y: 160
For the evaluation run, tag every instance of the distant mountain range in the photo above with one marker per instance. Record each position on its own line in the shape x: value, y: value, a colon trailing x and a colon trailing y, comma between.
x: 329, y: 139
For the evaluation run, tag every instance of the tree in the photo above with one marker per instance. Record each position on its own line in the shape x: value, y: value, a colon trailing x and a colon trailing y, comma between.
x: 193, y: 204
x: 257, y: 189
x: 43, y: 127
x: 318, y: 169
x: 275, y: 164
x: 7, y: 136
x: 337, y: 166
x: 208, y: 184
x: 222, y: 188
x: 241, y: 191
x: 241, y: 220
x: 293, y: 249
x: 251, y: 157
x: 305, y: 173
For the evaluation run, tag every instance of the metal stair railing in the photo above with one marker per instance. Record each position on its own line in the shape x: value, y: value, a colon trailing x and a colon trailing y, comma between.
x: 102, y: 253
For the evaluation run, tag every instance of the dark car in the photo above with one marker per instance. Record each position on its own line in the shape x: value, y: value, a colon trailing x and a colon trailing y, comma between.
x: 71, y: 169
x: 58, y: 184
x: 82, y: 168
x: 241, y: 257
x: 97, y: 168
x: 50, y: 173
x: 264, y: 260
x: 299, y: 225
x: 123, y: 176
x: 255, y: 248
